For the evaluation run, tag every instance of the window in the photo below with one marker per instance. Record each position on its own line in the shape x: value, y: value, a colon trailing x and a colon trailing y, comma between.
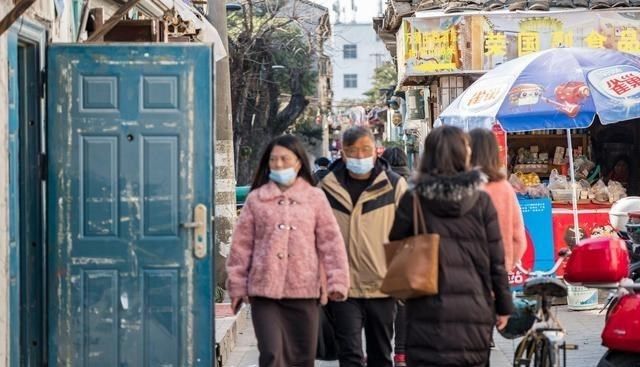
x: 450, y: 88
x: 350, y: 51
x: 351, y: 80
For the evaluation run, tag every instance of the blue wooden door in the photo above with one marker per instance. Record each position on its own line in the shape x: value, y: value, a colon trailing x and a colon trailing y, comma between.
x: 129, y: 187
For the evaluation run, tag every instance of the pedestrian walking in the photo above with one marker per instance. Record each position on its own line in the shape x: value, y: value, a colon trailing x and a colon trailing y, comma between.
x: 399, y: 163
x: 285, y: 231
x: 322, y: 168
x: 453, y: 328
x: 363, y: 193
x: 485, y: 156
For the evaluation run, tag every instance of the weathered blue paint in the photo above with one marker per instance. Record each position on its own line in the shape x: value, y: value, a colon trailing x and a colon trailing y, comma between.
x: 129, y: 139
x: 25, y: 47
x: 14, y: 200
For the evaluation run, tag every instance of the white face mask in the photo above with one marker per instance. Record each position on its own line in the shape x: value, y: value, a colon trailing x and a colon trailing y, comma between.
x: 360, y: 166
x: 284, y: 177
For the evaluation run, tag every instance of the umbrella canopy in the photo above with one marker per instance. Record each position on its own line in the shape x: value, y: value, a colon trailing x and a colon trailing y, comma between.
x: 560, y: 88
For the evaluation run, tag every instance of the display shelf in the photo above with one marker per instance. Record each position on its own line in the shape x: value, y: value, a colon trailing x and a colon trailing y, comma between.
x: 547, y: 142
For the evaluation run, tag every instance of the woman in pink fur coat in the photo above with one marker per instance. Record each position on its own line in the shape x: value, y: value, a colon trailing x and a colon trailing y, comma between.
x: 484, y: 154
x: 285, y: 232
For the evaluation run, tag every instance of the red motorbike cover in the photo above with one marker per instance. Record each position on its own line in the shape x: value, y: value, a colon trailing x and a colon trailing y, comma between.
x: 598, y: 260
x: 622, y: 329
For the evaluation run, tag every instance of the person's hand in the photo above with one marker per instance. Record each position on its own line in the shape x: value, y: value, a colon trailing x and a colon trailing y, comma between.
x: 336, y: 296
x: 236, y: 303
x: 501, y: 321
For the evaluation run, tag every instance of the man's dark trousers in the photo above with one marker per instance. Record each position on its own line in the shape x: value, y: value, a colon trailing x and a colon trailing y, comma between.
x: 376, y: 316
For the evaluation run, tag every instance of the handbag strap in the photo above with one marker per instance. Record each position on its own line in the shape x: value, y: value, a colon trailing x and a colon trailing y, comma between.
x: 418, y: 216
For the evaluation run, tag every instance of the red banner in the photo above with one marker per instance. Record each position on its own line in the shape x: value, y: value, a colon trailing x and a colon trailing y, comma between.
x: 501, y: 137
x: 592, y: 223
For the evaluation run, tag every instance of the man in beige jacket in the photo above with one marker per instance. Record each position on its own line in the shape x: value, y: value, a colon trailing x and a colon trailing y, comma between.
x: 364, y: 194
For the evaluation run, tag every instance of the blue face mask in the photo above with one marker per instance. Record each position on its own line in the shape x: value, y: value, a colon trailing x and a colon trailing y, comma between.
x: 360, y: 166
x: 284, y: 177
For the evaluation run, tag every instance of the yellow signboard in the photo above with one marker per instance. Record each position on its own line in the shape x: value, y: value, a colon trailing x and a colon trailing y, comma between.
x: 495, y: 44
x: 447, y: 44
x: 433, y: 51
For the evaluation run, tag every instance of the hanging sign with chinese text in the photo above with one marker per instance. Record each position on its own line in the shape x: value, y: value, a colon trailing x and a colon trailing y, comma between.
x: 476, y: 43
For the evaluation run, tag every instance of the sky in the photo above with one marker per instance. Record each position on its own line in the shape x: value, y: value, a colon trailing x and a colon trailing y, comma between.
x: 363, y: 12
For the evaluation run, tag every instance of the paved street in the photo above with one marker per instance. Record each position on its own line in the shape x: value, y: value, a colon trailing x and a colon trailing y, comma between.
x: 583, y: 327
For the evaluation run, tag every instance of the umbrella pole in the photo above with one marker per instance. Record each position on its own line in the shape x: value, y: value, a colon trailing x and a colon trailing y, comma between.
x: 574, y: 196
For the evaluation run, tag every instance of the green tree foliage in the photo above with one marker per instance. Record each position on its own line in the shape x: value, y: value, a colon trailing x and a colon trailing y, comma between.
x: 384, y: 77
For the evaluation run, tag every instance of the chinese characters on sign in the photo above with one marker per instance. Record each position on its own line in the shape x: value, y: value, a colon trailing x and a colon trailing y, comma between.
x: 528, y: 42
x: 595, y: 40
x: 483, y: 96
x: 442, y: 44
x: 629, y: 41
x: 434, y: 50
x: 495, y: 44
x: 623, y: 85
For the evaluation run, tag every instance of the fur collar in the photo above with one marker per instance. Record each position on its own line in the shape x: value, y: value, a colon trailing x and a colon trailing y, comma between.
x: 299, y: 191
x: 449, y: 188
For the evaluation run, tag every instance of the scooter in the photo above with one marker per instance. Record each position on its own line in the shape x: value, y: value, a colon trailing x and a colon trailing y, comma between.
x: 604, y: 263
x: 622, y: 328
x: 629, y: 232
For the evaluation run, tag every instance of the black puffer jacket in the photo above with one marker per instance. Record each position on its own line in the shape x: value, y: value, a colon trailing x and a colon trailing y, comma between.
x: 454, y: 327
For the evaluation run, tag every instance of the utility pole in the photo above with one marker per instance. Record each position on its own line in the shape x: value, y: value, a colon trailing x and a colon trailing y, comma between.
x: 224, y: 172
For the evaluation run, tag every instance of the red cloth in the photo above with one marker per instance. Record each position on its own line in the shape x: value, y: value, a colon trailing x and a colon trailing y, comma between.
x: 582, y: 206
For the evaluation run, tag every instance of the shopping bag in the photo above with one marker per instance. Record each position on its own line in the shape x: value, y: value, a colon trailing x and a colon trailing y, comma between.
x: 412, y: 263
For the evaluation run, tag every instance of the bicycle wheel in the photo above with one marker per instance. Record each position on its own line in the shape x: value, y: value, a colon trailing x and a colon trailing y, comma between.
x: 544, y: 353
x: 524, y: 353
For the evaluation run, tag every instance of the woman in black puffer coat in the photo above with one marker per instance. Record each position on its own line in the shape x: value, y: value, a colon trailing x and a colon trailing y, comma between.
x: 454, y: 327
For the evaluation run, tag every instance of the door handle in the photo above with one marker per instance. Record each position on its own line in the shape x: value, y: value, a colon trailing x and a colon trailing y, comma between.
x: 199, y: 226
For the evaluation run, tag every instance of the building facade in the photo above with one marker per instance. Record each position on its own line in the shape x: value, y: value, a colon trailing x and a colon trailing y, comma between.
x: 356, y: 52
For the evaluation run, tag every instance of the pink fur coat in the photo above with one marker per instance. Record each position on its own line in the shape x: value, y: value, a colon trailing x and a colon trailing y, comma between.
x: 280, y: 241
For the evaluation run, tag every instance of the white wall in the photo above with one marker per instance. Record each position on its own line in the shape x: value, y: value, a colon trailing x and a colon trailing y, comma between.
x: 370, y: 50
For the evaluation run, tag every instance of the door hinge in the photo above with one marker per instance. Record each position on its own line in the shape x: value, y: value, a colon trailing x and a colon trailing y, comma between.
x: 42, y: 165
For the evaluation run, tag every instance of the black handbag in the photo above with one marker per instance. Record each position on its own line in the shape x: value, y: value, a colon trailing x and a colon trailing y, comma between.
x: 327, y: 346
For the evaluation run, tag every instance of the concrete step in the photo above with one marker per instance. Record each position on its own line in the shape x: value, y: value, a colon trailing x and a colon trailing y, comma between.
x: 227, y: 327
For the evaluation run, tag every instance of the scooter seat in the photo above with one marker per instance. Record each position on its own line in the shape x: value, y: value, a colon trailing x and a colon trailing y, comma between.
x: 545, y: 286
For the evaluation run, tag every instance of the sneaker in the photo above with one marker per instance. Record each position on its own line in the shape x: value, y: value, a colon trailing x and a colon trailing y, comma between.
x: 400, y: 360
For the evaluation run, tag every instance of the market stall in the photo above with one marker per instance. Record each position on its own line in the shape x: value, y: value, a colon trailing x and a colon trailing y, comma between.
x: 542, y: 118
x: 540, y: 177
